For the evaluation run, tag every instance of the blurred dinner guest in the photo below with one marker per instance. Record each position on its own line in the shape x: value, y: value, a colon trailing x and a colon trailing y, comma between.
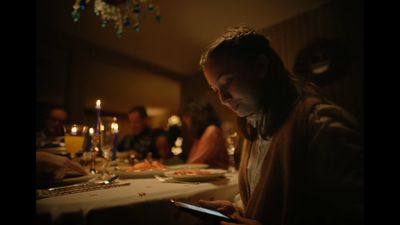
x: 139, y: 142
x: 204, y: 127
x: 302, y: 160
x: 51, y: 166
x: 163, y: 146
x: 51, y: 133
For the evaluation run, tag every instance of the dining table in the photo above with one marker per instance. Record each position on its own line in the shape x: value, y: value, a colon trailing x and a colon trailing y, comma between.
x: 133, y: 201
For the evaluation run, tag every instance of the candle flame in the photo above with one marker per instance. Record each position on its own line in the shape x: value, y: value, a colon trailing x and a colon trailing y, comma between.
x: 91, y: 131
x: 98, y: 103
x: 178, y: 142
x: 114, y: 127
x: 176, y: 150
x: 74, y: 130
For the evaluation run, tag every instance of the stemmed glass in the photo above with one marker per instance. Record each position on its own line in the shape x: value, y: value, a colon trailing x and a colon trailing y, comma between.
x: 231, y: 141
x: 74, y: 138
x: 109, y: 131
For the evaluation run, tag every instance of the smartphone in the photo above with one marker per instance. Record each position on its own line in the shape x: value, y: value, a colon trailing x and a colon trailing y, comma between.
x: 202, y: 212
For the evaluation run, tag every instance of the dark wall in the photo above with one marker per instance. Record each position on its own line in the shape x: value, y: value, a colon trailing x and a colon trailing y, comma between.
x: 338, y: 20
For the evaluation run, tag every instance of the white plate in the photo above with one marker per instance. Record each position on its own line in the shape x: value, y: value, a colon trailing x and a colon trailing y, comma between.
x: 65, y: 181
x: 196, y: 174
x: 139, y: 174
x: 189, y: 166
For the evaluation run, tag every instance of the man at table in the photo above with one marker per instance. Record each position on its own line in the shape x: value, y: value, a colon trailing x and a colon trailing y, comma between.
x: 51, y: 132
x: 140, y: 141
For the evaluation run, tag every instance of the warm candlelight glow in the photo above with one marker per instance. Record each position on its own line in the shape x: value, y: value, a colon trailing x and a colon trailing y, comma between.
x: 177, y: 149
x: 91, y: 131
x: 179, y: 141
x: 98, y: 104
x: 174, y: 120
x: 114, y: 127
x: 74, y: 130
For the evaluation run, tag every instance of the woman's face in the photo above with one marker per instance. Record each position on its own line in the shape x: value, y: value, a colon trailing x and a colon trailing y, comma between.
x: 235, y: 83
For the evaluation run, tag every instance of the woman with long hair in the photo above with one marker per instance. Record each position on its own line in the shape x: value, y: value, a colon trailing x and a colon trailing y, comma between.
x: 204, y: 128
x: 302, y: 160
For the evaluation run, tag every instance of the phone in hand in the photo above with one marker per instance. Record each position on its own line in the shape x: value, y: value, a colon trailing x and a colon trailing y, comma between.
x: 202, y: 212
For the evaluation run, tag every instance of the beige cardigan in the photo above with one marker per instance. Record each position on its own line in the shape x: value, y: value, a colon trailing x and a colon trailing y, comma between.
x: 296, y: 186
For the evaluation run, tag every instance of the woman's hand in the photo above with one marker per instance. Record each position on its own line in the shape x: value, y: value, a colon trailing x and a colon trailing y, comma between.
x: 223, y: 206
x: 55, y: 166
x: 227, y: 208
x: 241, y: 220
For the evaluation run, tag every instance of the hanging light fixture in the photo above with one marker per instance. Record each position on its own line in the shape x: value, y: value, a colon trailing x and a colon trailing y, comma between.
x: 123, y: 13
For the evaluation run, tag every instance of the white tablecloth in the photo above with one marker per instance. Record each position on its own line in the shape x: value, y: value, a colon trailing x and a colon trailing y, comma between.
x: 144, y: 201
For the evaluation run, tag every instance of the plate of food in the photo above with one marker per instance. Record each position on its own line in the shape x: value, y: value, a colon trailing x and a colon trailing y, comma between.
x: 189, y: 166
x: 143, y: 169
x: 196, y: 174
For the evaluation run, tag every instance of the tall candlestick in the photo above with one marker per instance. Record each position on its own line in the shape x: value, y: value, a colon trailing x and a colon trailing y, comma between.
x: 114, y: 127
x: 98, y: 109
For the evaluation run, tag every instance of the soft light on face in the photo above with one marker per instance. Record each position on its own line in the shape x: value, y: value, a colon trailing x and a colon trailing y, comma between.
x: 235, y: 85
x: 136, y: 123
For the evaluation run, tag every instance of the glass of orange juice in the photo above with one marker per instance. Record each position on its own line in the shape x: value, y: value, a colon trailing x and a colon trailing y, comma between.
x: 74, y: 138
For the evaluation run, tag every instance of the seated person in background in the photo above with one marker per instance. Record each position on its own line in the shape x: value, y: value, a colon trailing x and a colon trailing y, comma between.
x: 164, y: 145
x: 52, y: 131
x: 51, y: 166
x: 140, y: 142
x: 204, y: 128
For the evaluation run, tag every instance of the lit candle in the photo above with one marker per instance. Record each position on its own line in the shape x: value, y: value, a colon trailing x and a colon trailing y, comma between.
x: 74, y: 130
x: 98, y: 109
x: 114, y: 130
x: 89, y: 143
x: 177, y: 149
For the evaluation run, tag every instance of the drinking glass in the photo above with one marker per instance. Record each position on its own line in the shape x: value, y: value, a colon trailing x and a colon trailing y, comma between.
x: 109, y: 131
x: 74, y: 138
x: 231, y: 141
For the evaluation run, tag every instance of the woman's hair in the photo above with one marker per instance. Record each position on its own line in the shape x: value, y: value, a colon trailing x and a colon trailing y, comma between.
x: 202, y: 114
x: 280, y: 89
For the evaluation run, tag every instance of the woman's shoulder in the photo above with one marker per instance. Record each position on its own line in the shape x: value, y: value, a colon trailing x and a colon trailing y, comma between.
x: 212, y: 129
x: 212, y: 132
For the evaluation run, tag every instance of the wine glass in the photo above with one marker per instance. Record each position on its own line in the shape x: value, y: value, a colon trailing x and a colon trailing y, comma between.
x: 74, y: 138
x: 231, y: 141
x: 109, y: 132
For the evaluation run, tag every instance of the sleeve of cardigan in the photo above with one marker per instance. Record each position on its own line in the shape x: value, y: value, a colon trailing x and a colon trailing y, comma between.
x: 336, y: 160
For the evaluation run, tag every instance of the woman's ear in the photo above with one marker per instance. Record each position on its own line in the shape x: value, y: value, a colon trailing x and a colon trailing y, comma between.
x: 262, y: 64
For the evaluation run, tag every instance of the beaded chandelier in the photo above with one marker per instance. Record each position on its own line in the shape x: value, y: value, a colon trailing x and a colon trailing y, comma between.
x: 123, y: 13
